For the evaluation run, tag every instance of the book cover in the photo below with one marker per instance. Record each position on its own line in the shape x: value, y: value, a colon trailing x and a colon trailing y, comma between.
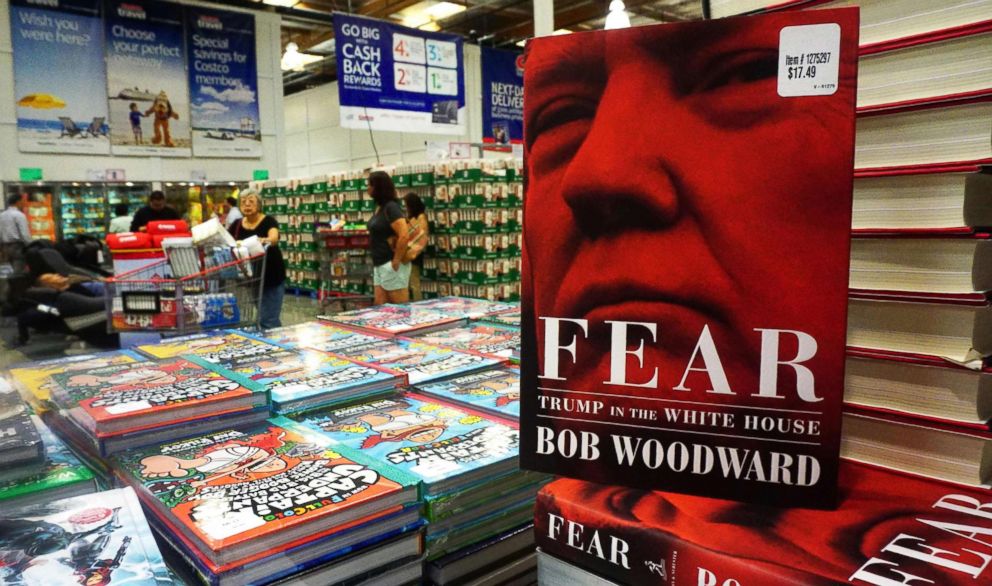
x: 317, y: 336
x: 96, y: 539
x: 491, y: 339
x: 125, y: 396
x: 494, y: 391
x: 708, y: 356
x: 251, y: 487
x: 419, y: 361
x: 308, y: 378
x: 390, y: 320
x: 62, y: 470
x: 888, y: 529
x: 34, y: 379
x: 219, y: 348
x: 20, y: 444
x: 426, y: 438
x: 467, y: 307
x: 510, y: 318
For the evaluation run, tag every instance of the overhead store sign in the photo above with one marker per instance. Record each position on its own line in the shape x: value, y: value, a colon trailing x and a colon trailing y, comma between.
x: 397, y: 78
x: 502, y: 97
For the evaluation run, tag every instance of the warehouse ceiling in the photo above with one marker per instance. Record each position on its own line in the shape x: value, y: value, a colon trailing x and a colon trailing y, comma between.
x: 493, y: 23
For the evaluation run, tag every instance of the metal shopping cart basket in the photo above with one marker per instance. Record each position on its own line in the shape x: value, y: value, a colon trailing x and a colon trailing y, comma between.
x: 191, y: 290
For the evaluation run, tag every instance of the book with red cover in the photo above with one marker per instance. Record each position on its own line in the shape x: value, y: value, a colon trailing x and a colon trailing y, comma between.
x: 888, y: 529
x: 688, y: 216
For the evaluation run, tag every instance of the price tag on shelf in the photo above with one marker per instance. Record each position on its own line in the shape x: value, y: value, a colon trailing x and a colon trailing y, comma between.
x: 808, y: 60
x: 409, y: 78
x: 442, y: 53
x: 442, y: 82
x: 408, y: 49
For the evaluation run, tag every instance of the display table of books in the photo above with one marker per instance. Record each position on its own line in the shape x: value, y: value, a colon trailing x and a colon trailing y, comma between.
x: 334, y: 451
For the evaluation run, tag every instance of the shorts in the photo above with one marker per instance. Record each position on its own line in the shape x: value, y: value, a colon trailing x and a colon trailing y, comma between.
x: 384, y: 276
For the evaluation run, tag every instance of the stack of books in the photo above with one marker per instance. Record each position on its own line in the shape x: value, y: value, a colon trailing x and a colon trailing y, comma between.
x: 480, y: 337
x: 100, y: 538
x: 495, y: 391
x: 418, y: 361
x: 107, y: 410
x: 316, y: 335
x: 394, y: 320
x: 61, y: 476
x: 298, y: 380
x: 276, y: 501
x: 22, y: 453
x: 34, y: 379
x: 220, y: 347
x: 468, y: 308
x: 465, y: 462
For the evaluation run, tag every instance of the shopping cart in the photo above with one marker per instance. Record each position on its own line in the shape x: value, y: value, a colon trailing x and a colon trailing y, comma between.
x: 193, y: 289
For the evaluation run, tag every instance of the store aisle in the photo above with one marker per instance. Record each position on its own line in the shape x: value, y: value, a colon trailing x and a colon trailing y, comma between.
x: 41, y: 346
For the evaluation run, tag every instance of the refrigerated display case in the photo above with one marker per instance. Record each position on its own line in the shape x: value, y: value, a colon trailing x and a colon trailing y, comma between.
x: 66, y: 209
x: 134, y: 195
x: 198, y: 202
x: 82, y: 210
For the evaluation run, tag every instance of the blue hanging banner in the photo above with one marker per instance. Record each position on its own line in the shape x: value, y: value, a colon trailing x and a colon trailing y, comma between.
x: 502, y: 97
x: 396, y: 78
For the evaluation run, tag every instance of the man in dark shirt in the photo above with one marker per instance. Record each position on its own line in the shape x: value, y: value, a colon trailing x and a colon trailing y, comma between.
x: 155, y: 210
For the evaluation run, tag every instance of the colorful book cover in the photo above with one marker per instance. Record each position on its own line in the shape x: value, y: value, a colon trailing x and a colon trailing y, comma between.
x: 62, y: 469
x: 19, y: 439
x: 494, y: 391
x: 467, y: 307
x: 428, y: 439
x: 111, y: 395
x: 392, y: 320
x: 236, y: 486
x: 293, y: 376
x: 218, y: 347
x: 34, y: 379
x: 317, y: 336
x: 510, y: 318
x: 492, y: 339
x: 95, y: 540
x: 420, y: 362
x: 708, y: 356
x: 888, y: 529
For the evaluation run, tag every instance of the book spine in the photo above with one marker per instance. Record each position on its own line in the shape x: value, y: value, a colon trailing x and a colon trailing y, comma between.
x: 629, y: 553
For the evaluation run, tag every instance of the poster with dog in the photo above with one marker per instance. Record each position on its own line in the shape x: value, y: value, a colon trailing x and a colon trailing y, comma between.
x: 146, y: 79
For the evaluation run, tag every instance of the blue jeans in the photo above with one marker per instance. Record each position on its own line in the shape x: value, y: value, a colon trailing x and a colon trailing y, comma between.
x: 271, y: 306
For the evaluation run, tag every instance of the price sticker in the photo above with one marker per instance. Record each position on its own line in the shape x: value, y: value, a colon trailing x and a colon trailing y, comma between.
x: 409, y: 78
x: 408, y: 49
x: 442, y: 82
x: 442, y: 53
x: 808, y: 60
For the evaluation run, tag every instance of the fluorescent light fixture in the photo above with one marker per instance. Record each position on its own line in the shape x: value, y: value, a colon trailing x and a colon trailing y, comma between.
x: 231, y: 183
x: 129, y: 184
x: 424, y: 15
x: 294, y: 60
x: 283, y: 3
x: 522, y: 43
x: 430, y: 26
x: 443, y: 10
x: 561, y: 31
x: 618, y: 17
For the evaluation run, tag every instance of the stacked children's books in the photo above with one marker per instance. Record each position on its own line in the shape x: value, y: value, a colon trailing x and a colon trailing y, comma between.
x: 481, y: 337
x: 465, y: 461
x: 95, y: 539
x: 221, y: 347
x: 258, y: 504
x: 34, y: 379
x: 495, y: 391
x: 393, y: 320
x: 420, y: 362
x: 317, y: 336
x: 466, y: 307
x: 107, y: 410
x: 307, y: 379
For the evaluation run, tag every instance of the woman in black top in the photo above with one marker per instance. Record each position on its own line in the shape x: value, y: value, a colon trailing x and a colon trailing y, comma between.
x: 255, y: 223
x: 391, y: 276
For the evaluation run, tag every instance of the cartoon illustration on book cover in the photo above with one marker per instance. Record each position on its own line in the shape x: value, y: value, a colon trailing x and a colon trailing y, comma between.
x: 246, y: 483
x: 323, y: 337
x: 491, y: 390
x: 421, y: 362
x: 218, y: 349
x: 497, y: 340
x: 428, y: 438
x: 36, y: 377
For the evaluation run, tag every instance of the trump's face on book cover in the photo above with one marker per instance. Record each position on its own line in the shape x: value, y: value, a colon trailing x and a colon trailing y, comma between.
x: 686, y: 225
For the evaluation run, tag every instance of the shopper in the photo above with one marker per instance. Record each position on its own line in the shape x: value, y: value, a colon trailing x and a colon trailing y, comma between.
x: 391, y: 276
x: 416, y: 214
x: 231, y: 212
x: 156, y: 210
x: 14, y: 236
x: 266, y: 228
x: 121, y: 221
